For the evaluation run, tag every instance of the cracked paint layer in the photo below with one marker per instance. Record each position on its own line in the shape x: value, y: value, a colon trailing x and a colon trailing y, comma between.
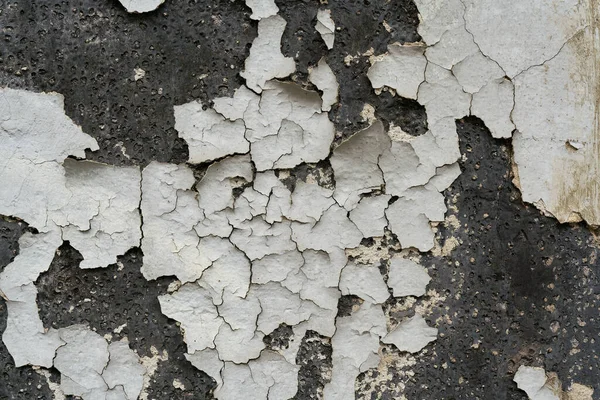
x: 84, y: 204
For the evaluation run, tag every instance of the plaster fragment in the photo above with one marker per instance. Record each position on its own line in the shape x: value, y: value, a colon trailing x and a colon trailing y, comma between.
x: 364, y: 281
x: 141, y: 6
x: 534, y: 382
x: 493, y: 103
x: 355, y: 165
x: 326, y: 27
x: 324, y: 79
x: 262, y: 8
x: 579, y: 392
x: 407, y: 278
x: 265, y: 61
x: 402, y: 68
x: 411, y: 335
x: 208, y: 134
x: 369, y: 215
x: 138, y: 74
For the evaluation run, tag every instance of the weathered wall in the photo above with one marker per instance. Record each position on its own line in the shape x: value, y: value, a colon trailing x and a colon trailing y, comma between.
x: 410, y: 214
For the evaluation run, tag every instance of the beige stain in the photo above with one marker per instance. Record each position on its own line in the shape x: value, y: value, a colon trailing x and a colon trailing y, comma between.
x: 576, y: 180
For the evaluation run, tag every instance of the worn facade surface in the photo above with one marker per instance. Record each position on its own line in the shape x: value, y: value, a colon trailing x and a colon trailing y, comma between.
x: 299, y: 199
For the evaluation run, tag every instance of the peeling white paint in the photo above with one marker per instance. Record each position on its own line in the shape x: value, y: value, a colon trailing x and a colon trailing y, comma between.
x: 141, y: 6
x: 407, y: 278
x: 401, y: 69
x: 250, y: 253
x: 262, y: 8
x: 324, y: 79
x: 534, y: 382
x: 265, y: 61
x: 411, y: 335
x: 326, y: 27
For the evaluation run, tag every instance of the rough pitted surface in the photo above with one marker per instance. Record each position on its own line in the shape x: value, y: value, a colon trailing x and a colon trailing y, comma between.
x: 89, y: 51
x: 115, y: 296
x: 514, y: 277
x: 314, y: 359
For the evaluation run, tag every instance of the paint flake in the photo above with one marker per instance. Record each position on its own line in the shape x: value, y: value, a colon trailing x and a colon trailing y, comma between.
x: 534, y: 382
x: 208, y: 134
x: 262, y: 8
x: 326, y: 27
x: 355, y: 349
x: 402, y: 68
x: 193, y: 308
x: 411, y: 335
x: 265, y: 61
x: 525, y: 41
x: 141, y: 6
x: 364, y: 281
x: 324, y: 79
x: 369, y: 215
x: 355, y: 165
x: 407, y: 278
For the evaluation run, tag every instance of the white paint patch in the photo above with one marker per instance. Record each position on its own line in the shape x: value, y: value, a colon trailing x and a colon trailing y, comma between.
x: 141, y: 6
x: 535, y: 383
x: 265, y: 61
x: 402, y: 68
x: 326, y: 27
x: 324, y: 79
